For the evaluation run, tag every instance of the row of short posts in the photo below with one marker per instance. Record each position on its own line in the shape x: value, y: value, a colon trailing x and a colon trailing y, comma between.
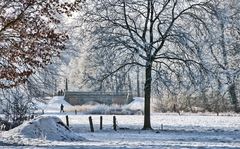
x: 101, y: 123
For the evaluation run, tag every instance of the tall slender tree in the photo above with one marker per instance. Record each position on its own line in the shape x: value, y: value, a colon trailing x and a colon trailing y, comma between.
x: 224, y: 43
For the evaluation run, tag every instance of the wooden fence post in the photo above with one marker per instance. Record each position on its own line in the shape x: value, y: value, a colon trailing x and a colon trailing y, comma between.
x: 75, y: 112
x: 114, y: 123
x: 91, y: 124
x: 67, y: 120
x: 101, y: 121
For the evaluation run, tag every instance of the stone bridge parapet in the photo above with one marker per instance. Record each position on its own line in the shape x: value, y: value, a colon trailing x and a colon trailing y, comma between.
x: 80, y: 98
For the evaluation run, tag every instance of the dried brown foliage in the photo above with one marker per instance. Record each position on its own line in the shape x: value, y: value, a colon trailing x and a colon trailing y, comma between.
x: 28, y: 37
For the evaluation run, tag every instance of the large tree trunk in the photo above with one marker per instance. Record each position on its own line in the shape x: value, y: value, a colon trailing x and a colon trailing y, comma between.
x: 147, y: 91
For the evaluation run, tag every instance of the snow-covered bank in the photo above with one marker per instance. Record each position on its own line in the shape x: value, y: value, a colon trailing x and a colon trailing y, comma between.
x: 53, y: 106
x: 43, y: 128
x: 55, y: 103
x: 136, y: 104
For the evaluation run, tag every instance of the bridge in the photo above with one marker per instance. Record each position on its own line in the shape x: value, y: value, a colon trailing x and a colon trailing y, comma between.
x: 80, y: 98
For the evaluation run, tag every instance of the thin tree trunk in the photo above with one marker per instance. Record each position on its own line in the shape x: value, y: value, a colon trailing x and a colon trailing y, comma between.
x: 129, y: 85
x: 116, y: 82
x: 147, y: 90
x: 66, y: 85
x: 205, y: 100
x: 138, y: 83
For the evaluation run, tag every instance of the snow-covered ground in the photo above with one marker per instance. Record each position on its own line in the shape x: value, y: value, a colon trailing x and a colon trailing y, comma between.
x: 136, y: 104
x: 170, y: 131
x: 53, y: 106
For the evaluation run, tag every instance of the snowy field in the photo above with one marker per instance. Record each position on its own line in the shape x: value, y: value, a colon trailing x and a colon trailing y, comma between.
x: 170, y: 131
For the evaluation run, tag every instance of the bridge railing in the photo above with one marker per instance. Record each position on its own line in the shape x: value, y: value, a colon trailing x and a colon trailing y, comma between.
x: 76, y: 98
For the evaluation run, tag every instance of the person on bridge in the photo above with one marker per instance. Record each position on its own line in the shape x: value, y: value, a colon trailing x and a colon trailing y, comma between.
x: 61, y: 108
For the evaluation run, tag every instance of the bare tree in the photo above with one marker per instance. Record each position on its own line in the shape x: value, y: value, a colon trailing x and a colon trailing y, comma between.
x: 102, y: 63
x: 17, y: 105
x: 224, y: 45
x: 153, y: 33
